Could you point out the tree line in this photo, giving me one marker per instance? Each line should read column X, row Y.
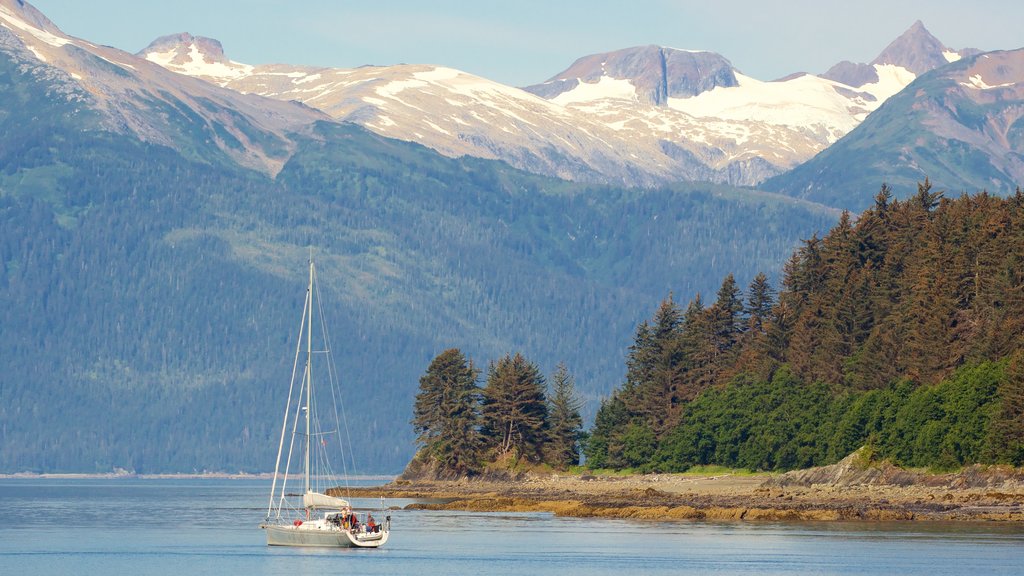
column 902, row 330
column 462, row 427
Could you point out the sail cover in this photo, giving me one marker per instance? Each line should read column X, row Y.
column 318, row 500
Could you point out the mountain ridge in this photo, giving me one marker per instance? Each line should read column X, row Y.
column 961, row 126
column 136, row 96
column 642, row 116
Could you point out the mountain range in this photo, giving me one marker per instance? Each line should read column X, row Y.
column 156, row 211
column 643, row 116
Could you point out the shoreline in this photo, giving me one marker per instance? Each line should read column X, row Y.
column 172, row 476
column 675, row 497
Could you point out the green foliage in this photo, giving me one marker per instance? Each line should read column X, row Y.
column 638, row 444
column 772, row 425
column 784, row 424
column 603, row 448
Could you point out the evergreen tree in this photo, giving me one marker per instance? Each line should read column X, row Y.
column 655, row 369
column 566, row 424
column 603, row 448
column 893, row 330
column 446, row 413
column 760, row 299
column 515, row 408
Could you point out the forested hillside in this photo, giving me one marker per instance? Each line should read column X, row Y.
column 148, row 301
column 903, row 331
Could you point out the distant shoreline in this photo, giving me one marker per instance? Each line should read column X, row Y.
column 174, row 476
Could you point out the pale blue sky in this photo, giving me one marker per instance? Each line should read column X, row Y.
column 523, row 42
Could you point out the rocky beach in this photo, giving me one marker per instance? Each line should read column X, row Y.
column 843, row 491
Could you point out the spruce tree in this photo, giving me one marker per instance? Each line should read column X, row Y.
column 760, row 299
column 604, row 445
column 655, row 368
column 515, row 408
column 566, row 424
column 446, row 413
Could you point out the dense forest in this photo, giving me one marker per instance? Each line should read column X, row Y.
column 148, row 300
column 902, row 331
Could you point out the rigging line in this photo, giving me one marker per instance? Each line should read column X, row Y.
column 295, row 427
column 336, row 397
column 324, row 468
column 287, row 409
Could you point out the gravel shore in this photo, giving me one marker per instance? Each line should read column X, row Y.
column 831, row 493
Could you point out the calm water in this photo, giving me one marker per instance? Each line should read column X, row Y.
column 104, row 527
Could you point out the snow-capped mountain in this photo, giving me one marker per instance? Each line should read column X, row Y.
column 637, row 116
column 960, row 126
column 132, row 95
column 916, row 51
column 701, row 103
column 445, row 109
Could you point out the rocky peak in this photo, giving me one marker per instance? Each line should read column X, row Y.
column 916, row 50
column 657, row 73
column 184, row 46
column 194, row 56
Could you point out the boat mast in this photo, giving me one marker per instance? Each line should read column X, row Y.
column 309, row 363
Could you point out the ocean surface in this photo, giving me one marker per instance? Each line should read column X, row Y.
column 210, row 526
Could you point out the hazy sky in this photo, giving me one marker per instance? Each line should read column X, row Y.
column 521, row 42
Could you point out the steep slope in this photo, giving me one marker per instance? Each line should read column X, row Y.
column 961, row 126
column 148, row 295
column 916, row 51
column 125, row 94
column 152, row 331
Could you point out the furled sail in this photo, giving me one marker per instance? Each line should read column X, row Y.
column 318, row 500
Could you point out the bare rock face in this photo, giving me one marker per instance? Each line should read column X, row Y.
column 854, row 470
column 852, row 74
column 658, row 73
column 915, row 50
column 858, row 469
column 181, row 45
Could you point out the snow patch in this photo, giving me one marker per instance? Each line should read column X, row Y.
column 978, row 83
column 436, row 127
column 39, row 55
column 11, row 19
column 803, row 101
column 196, row 65
column 304, row 79
column 891, row 79
column 606, row 87
column 950, row 56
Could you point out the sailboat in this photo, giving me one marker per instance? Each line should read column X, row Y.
column 314, row 517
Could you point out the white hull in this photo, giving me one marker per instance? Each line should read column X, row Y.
column 310, row 534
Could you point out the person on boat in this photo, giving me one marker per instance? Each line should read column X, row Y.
column 371, row 526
